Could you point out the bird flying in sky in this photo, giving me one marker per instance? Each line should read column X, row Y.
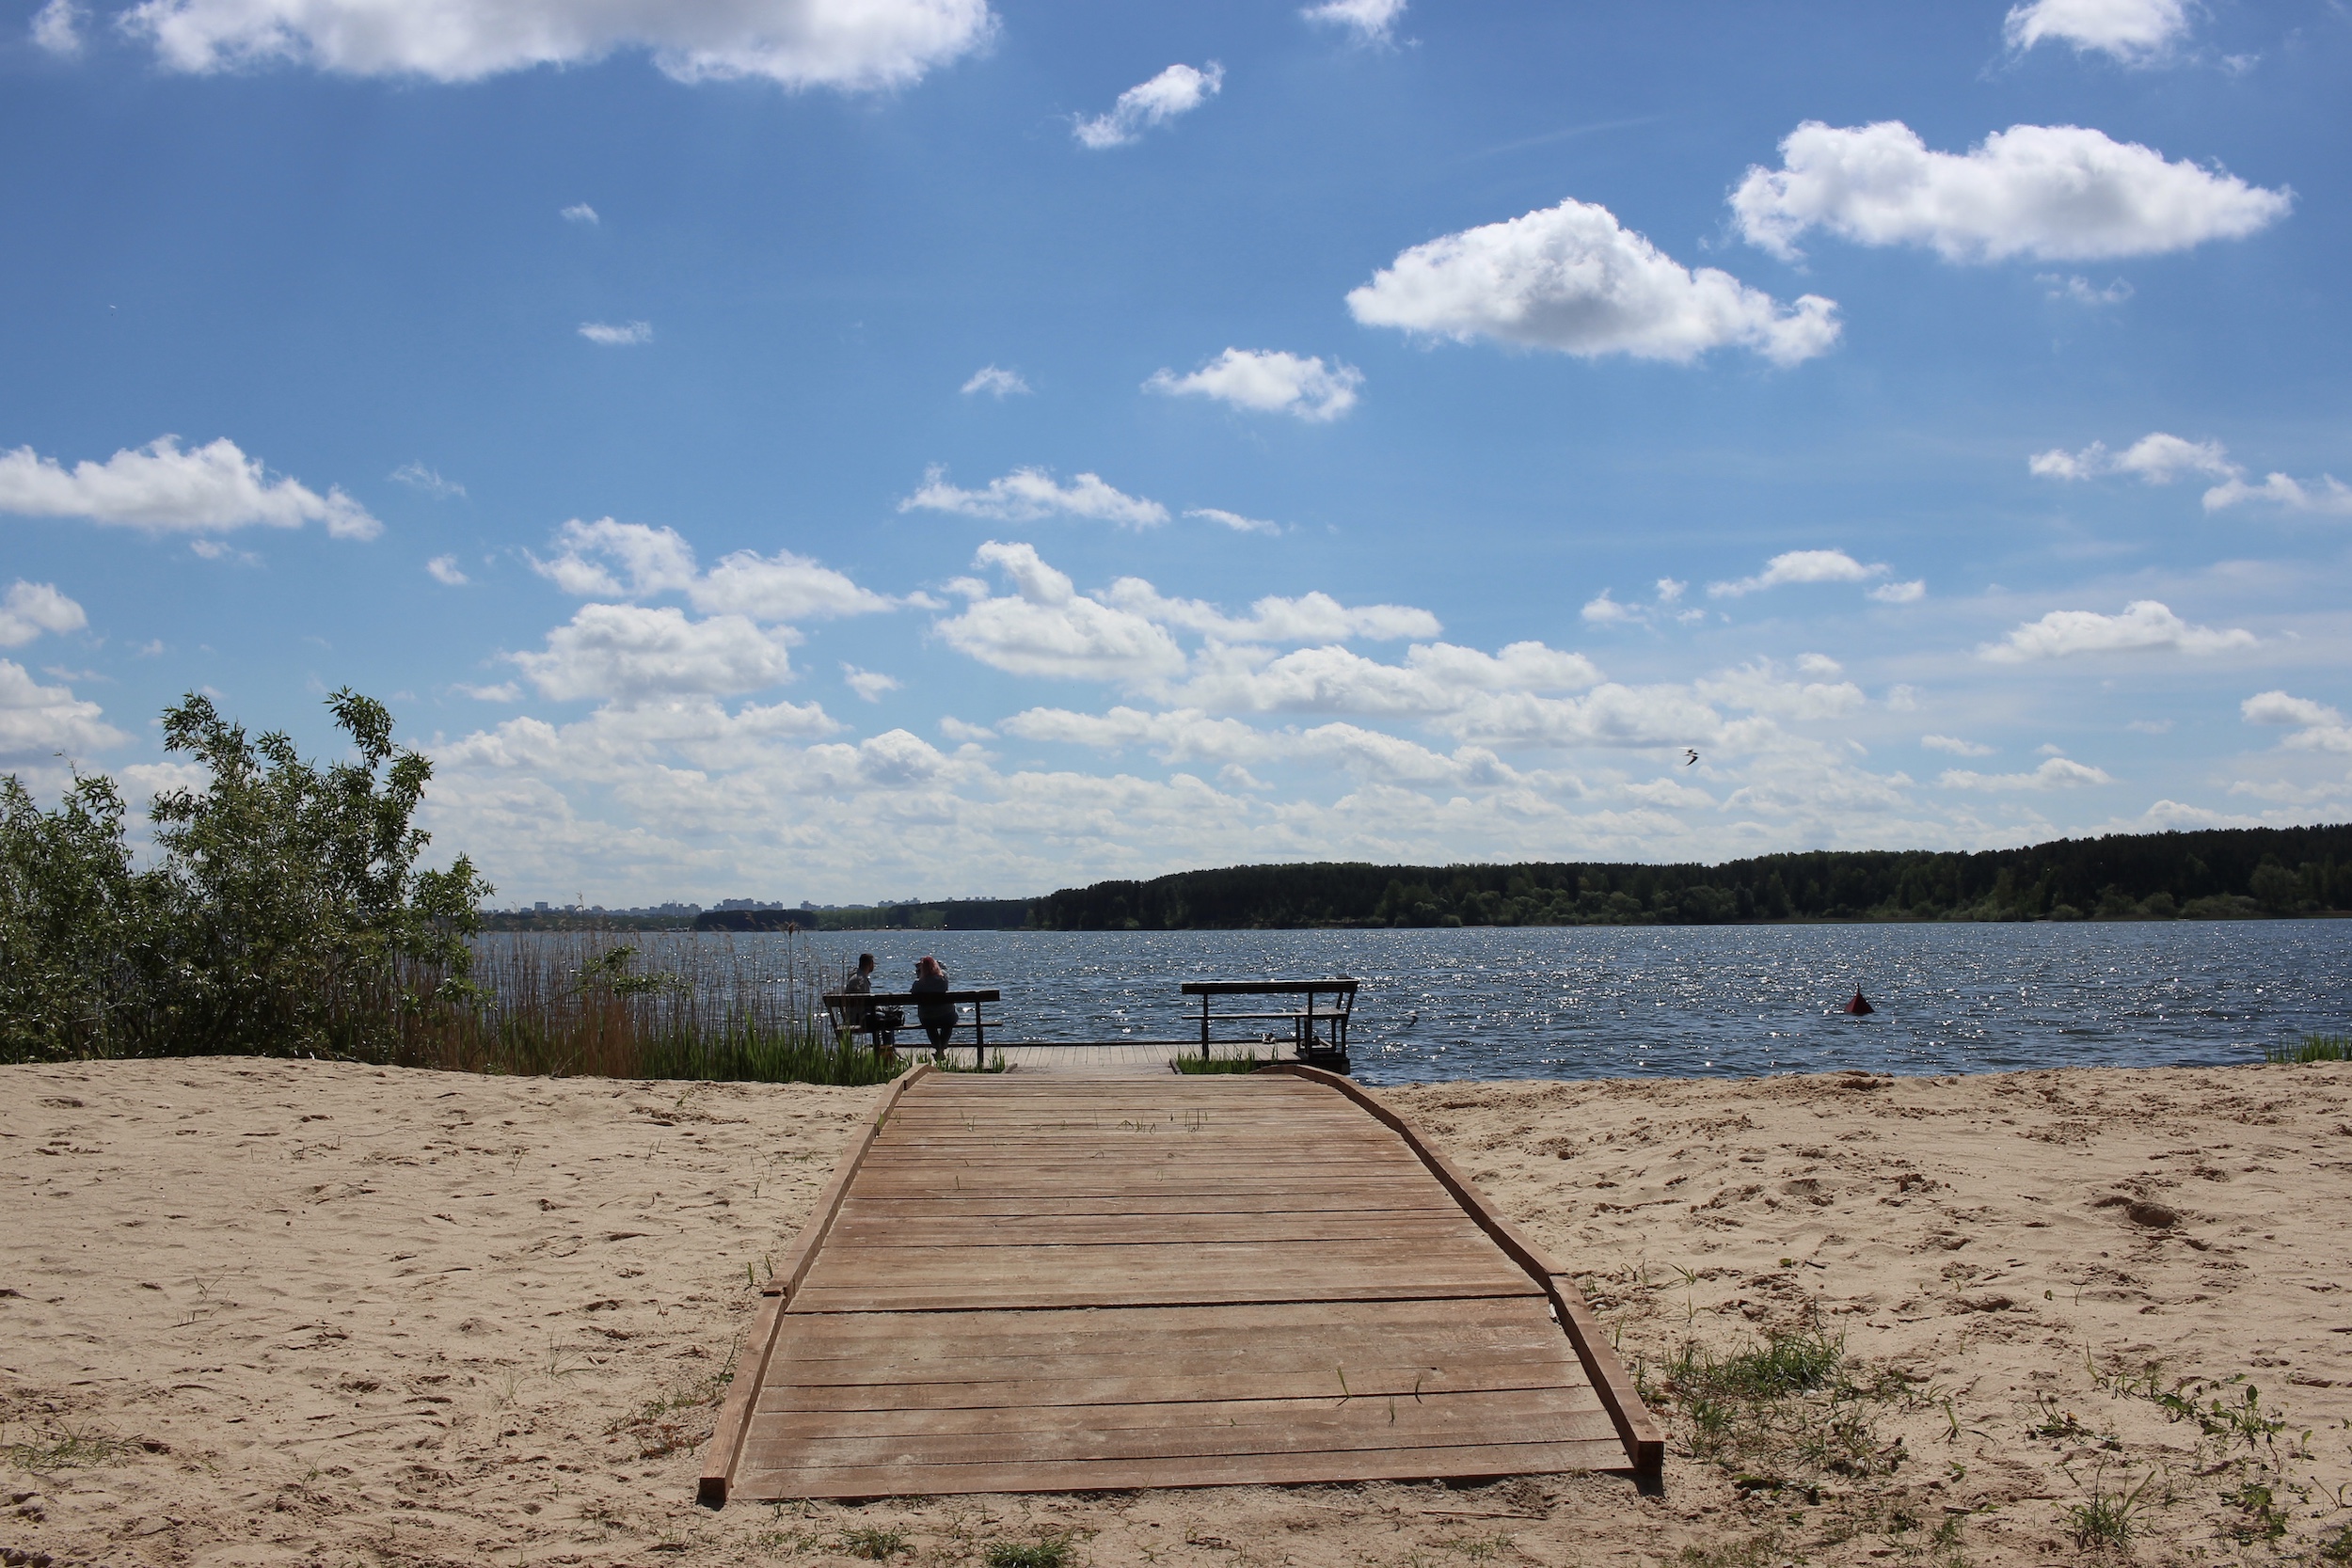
column 1689, row 756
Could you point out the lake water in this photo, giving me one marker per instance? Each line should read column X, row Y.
column 1684, row 1001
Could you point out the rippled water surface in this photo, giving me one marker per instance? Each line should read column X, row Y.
column 1587, row 1002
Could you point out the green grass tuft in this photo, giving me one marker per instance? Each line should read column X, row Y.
column 1219, row 1064
column 2315, row 1048
column 1793, row 1362
column 947, row 1061
column 875, row 1546
column 2103, row 1520
column 1051, row 1551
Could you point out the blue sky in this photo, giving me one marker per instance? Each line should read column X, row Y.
column 835, row 448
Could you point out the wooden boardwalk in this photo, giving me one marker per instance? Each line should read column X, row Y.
column 1071, row 1282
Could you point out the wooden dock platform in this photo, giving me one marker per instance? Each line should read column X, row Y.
column 1069, row 1282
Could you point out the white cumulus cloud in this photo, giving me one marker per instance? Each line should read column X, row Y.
column 1800, row 566
column 1371, row 21
column 1026, row 495
column 1314, row 617
column 419, row 477
column 38, row 722
column 30, row 608
column 2056, row 774
column 1435, row 679
column 1233, row 520
column 444, row 570
column 996, row 382
column 617, row 333
column 852, row 45
column 2053, row 192
column 57, row 28
column 1955, row 746
column 1044, row 626
column 1178, row 90
column 2317, row 726
column 2155, row 458
column 2145, row 625
column 631, row 653
column 2331, row 496
column 1571, row 277
column 579, row 212
column 1268, row 382
column 2159, row 458
column 616, row 559
column 2133, row 31
column 869, row 684
column 164, row 489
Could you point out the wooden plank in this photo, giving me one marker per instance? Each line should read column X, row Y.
column 1448, row 1257
column 727, row 1439
column 1224, row 1201
column 1247, row 1325
column 1466, row 1462
column 1171, row 1429
column 919, row 1297
column 1346, row 1225
column 1645, row 1439
column 1012, row 1382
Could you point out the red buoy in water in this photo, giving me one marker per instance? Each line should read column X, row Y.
column 1860, row 1006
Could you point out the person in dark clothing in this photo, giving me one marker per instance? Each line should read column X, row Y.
column 937, row 1017
column 881, row 1023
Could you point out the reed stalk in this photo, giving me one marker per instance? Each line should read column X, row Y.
column 660, row 1006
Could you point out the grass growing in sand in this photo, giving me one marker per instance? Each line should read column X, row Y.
column 1051, row 1551
column 1778, row 1410
column 62, row 1448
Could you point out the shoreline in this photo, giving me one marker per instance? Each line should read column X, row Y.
column 268, row 1312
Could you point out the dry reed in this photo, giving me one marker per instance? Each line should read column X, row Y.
column 660, row 1005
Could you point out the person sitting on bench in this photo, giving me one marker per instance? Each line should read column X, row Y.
column 938, row 1019
column 881, row 1022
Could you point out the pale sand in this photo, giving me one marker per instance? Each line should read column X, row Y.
column 311, row 1313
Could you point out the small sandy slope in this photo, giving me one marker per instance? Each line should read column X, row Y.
column 297, row 1313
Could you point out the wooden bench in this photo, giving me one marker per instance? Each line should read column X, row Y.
column 1323, row 1048
column 841, row 1006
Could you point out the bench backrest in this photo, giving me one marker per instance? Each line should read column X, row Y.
column 905, row 998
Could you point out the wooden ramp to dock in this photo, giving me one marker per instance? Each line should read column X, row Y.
column 1068, row 1283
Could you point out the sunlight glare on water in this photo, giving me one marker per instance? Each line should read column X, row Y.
column 1588, row 1002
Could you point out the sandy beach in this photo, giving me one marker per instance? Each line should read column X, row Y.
column 292, row 1312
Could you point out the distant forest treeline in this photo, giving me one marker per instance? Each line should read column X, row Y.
column 954, row 914
column 2227, row 874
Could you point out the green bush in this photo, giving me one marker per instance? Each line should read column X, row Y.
column 284, row 914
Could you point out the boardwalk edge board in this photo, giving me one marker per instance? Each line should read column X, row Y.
column 735, row 1416
column 1645, row 1440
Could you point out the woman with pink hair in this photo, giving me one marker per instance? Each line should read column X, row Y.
column 937, row 1017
